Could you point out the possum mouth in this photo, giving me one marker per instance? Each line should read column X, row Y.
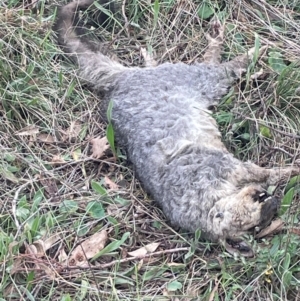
column 269, row 209
column 238, row 246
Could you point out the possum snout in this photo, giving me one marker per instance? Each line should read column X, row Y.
column 269, row 209
column 241, row 211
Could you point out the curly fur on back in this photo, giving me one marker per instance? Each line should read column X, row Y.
column 161, row 118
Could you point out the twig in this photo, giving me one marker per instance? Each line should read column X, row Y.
column 106, row 265
column 283, row 150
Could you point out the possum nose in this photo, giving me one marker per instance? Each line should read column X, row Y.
column 269, row 209
column 262, row 196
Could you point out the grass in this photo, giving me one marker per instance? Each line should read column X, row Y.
column 55, row 193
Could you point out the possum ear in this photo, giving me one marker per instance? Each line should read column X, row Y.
column 102, row 16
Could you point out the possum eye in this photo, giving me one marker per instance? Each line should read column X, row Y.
column 219, row 215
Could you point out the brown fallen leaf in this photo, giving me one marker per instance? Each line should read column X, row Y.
column 62, row 256
column 148, row 249
column 49, row 185
column 99, row 146
column 87, row 249
column 17, row 266
column 10, row 290
column 32, row 249
column 34, row 252
column 50, row 241
column 140, row 264
column 11, row 246
column 28, row 131
column 46, row 138
column 257, row 74
column 76, row 154
column 111, row 185
column 171, row 296
column 274, row 227
column 8, row 175
column 40, row 246
column 295, row 230
column 73, row 131
column 116, row 210
column 58, row 160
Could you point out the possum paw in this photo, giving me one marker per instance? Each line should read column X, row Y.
column 217, row 32
column 215, row 40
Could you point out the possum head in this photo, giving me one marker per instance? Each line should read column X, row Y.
column 238, row 214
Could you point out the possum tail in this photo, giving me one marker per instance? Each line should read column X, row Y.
column 97, row 69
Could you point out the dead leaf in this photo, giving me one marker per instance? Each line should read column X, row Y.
column 76, row 154
column 28, row 131
column 295, row 230
column 11, row 246
column 8, row 175
column 37, row 250
column 88, row 249
column 40, row 246
column 62, row 257
column 51, row 273
column 257, row 74
column 34, row 251
column 50, row 241
column 116, row 210
column 140, row 264
column 46, row 138
column 17, row 266
column 58, row 160
column 238, row 14
column 148, row 249
column 112, row 185
column 10, row 290
column 49, row 185
column 73, row 131
column 274, row 227
column 99, row 146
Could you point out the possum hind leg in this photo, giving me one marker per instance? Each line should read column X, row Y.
column 215, row 41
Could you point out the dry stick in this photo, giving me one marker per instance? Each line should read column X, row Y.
column 274, row 149
column 106, row 265
column 284, row 151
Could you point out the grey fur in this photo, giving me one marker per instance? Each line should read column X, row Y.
column 161, row 118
